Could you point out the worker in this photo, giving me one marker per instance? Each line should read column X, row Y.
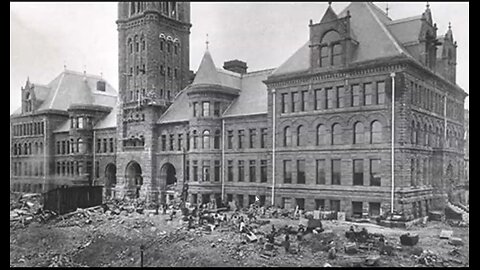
column 286, row 243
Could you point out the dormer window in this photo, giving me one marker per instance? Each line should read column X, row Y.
column 101, row 86
column 331, row 49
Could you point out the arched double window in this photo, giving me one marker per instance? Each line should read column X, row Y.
column 376, row 132
column 413, row 133
column 287, row 137
column 425, row 135
column 331, row 50
column 358, row 133
column 80, row 146
column 130, row 45
column 336, row 134
column 206, row 139
column 321, row 135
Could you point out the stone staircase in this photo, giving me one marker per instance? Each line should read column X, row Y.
column 465, row 215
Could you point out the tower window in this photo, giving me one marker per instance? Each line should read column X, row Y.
column 176, row 49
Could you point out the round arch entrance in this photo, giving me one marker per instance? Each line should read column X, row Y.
column 110, row 178
column 168, row 174
column 133, row 176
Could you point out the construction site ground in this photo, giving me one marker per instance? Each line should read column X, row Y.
column 115, row 240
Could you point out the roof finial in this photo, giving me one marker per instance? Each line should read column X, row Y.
column 84, row 69
column 428, row 5
column 386, row 9
column 64, row 65
column 206, row 42
column 329, row 3
column 449, row 26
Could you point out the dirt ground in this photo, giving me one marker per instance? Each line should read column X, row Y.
column 116, row 240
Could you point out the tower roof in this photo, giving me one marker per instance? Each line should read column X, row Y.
column 207, row 72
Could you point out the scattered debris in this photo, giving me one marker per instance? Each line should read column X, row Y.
column 409, row 240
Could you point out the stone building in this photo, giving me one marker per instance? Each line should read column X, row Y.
column 315, row 132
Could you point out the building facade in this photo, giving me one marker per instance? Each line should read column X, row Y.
column 316, row 132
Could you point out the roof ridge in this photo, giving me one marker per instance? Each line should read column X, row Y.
column 56, row 90
column 258, row 71
column 407, row 19
column 385, row 30
column 74, row 72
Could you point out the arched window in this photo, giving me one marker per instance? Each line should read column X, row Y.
column 216, row 139
column 417, row 134
column 29, row 148
column 331, row 51
column 132, row 8
column 336, row 134
column 287, row 137
column 36, row 149
column 376, row 132
column 130, row 45
column 300, row 136
column 321, row 135
column 358, row 133
column 135, row 40
column 19, row 150
column 25, row 150
column 80, row 147
column 40, row 145
column 142, row 41
column 194, row 139
column 206, row 139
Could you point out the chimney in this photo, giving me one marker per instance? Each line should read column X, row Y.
column 235, row 66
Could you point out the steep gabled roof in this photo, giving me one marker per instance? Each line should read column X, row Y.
column 72, row 87
column 207, row 72
column 180, row 110
column 368, row 25
column 406, row 30
column 253, row 95
column 329, row 15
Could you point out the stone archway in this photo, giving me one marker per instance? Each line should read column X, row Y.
column 133, row 177
column 168, row 175
column 110, row 178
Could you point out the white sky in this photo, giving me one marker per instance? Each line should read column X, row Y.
column 45, row 36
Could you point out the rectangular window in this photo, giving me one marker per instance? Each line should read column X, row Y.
column 304, row 100
column 300, row 171
column 320, row 172
column 195, row 171
column 241, row 136
column 194, row 109
column 287, row 171
column 175, row 71
column 381, row 92
column 319, row 204
column 318, row 99
column 105, row 145
column 230, row 171
column 253, row 136
column 357, row 172
column 335, row 205
column 164, row 142
column 97, row 169
column 216, row 172
column 251, row 199
column 336, row 175
column 367, row 88
column 230, row 139
column 357, row 209
column 172, row 140
column 187, row 170
column 206, row 108
column 63, row 147
column 241, row 171
column 263, row 171
column 240, row 200
column 206, row 171
column 300, row 202
column 356, row 95
column 341, row 96
column 331, row 98
column 252, row 171
column 375, row 179
column 374, row 209
column 180, row 141
column 216, row 109
column 111, row 145
column 263, row 139
column 284, row 102
column 294, row 101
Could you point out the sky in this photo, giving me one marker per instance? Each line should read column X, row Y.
column 45, row 37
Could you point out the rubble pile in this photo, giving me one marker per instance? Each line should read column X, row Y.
column 26, row 208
